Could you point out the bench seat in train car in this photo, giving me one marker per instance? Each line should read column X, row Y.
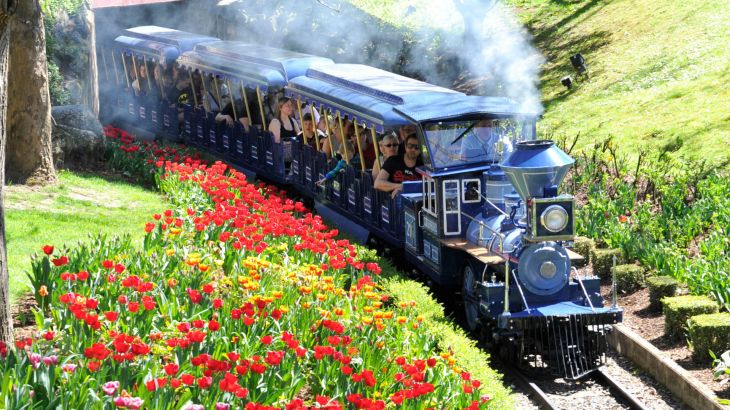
column 246, row 66
column 149, row 45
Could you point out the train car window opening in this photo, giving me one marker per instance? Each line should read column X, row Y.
column 429, row 196
column 471, row 188
column 451, row 206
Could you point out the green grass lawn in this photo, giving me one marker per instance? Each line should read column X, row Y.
column 79, row 205
column 658, row 72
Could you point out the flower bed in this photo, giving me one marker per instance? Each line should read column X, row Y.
column 672, row 215
column 238, row 298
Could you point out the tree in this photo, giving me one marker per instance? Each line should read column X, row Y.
column 29, row 155
column 92, row 82
column 6, row 323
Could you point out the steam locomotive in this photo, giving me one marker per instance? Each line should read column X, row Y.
column 487, row 216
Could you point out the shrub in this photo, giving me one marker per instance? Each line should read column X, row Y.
column 629, row 277
column 678, row 309
column 603, row 261
column 659, row 288
column 584, row 247
column 709, row 332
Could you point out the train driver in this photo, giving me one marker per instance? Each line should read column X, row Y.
column 400, row 168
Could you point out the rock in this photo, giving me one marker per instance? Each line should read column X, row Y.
column 78, row 137
column 76, row 116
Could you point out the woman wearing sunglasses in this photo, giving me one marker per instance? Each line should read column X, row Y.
column 400, row 168
column 388, row 147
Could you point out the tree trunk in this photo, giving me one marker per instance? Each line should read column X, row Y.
column 92, row 81
column 29, row 157
column 6, row 321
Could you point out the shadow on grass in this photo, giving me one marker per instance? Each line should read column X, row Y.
column 105, row 172
column 592, row 7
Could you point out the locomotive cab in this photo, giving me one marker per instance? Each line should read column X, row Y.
column 439, row 211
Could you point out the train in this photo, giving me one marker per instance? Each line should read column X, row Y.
column 485, row 218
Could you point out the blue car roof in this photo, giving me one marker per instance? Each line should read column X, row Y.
column 252, row 64
column 386, row 100
column 461, row 107
column 364, row 93
column 160, row 44
column 251, row 75
column 290, row 63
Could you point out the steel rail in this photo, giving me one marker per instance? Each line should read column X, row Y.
column 531, row 388
column 622, row 394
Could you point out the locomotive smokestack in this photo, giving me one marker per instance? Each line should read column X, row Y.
column 536, row 168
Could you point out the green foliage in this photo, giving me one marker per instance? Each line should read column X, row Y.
column 603, row 261
column 584, row 247
column 59, row 95
column 672, row 216
column 66, row 47
column 678, row 309
column 721, row 366
column 659, row 288
column 629, row 277
column 709, row 332
column 451, row 338
column 53, row 7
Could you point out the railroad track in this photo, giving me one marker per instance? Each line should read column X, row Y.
column 542, row 398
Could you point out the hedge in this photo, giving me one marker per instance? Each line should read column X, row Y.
column 678, row 309
column 709, row 332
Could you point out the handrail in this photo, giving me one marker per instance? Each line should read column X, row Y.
column 524, row 300
column 482, row 224
column 490, row 203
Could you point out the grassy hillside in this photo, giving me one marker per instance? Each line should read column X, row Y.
column 659, row 71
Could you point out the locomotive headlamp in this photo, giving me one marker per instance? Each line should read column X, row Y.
column 554, row 218
column 550, row 219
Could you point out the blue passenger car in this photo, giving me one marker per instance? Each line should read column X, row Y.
column 139, row 54
column 249, row 73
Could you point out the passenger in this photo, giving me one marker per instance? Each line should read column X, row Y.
column 388, row 147
column 180, row 93
column 400, row 168
column 308, row 132
column 307, row 109
column 139, row 85
column 210, row 98
column 332, row 145
column 283, row 126
column 403, row 132
column 346, row 151
column 368, row 150
column 226, row 114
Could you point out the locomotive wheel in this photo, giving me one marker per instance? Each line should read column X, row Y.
column 470, row 296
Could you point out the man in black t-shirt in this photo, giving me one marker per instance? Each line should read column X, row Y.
column 400, row 168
